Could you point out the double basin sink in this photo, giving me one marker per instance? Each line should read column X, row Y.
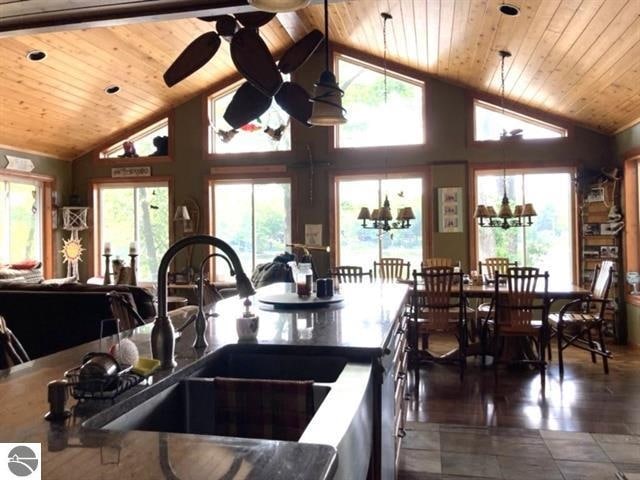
column 342, row 399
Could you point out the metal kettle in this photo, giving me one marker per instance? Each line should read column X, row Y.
column 99, row 372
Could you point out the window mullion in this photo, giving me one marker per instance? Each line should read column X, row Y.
column 253, row 225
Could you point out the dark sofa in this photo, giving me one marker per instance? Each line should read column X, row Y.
column 50, row 318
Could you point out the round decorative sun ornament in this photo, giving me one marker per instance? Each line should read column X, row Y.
column 72, row 250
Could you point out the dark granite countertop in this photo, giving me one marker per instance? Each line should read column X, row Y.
column 359, row 328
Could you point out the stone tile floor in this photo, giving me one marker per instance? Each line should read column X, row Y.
column 443, row 451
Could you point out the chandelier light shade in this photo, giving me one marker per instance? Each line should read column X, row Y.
column 327, row 99
column 278, row 5
column 382, row 219
column 505, row 218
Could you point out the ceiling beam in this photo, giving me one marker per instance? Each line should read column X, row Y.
column 38, row 16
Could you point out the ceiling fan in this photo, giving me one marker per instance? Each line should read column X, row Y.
column 255, row 63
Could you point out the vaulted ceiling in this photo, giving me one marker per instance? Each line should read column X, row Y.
column 579, row 59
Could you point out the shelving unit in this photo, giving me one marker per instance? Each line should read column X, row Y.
column 598, row 245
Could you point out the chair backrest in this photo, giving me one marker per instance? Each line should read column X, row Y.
column 437, row 262
column 518, row 297
column 124, row 309
column 602, row 280
column 351, row 274
column 491, row 265
column 11, row 351
column 391, row 269
column 436, row 292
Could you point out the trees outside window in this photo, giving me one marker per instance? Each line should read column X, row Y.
column 548, row 243
column 21, row 220
column 135, row 213
column 254, row 217
column 359, row 246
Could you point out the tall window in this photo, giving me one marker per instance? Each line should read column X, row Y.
column 361, row 247
column 271, row 132
column 21, row 220
column 135, row 213
column 490, row 121
column 371, row 122
column 254, row 217
column 547, row 244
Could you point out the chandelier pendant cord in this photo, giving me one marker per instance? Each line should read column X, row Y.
column 504, row 153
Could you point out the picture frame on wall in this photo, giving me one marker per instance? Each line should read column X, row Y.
column 596, row 194
column 450, row 210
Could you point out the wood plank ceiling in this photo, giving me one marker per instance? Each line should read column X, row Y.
column 575, row 58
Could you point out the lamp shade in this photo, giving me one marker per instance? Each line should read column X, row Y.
column 518, row 211
column 364, row 214
column 385, row 214
column 375, row 215
column 528, row 210
column 278, row 5
column 327, row 102
column 491, row 212
column 182, row 214
column 481, row 211
column 407, row 214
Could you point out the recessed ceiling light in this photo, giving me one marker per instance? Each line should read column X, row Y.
column 36, row 55
column 509, row 9
column 112, row 89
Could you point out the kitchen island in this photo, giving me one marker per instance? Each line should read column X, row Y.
column 366, row 327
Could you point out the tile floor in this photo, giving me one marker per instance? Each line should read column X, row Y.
column 442, row 451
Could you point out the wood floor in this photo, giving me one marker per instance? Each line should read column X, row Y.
column 586, row 400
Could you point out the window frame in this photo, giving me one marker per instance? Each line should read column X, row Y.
column 395, row 71
column 476, row 170
column 240, row 175
column 48, row 209
column 370, row 174
column 96, row 243
column 206, row 118
column 129, row 132
column 631, row 210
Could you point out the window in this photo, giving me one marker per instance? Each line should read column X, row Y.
column 149, row 142
column 548, row 243
column 21, row 220
column 359, row 246
column 134, row 213
column 490, row 121
column 254, row 217
column 371, row 122
column 251, row 137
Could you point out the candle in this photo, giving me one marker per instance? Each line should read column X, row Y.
column 107, row 248
column 132, row 248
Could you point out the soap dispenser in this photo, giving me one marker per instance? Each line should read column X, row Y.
column 247, row 324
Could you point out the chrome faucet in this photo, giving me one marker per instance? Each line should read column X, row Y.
column 163, row 341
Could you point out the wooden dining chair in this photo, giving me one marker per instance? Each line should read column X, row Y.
column 391, row 269
column 11, row 351
column 577, row 321
column 521, row 309
column 123, row 309
column 436, row 305
column 436, row 262
column 351, row 274
column 491, row 265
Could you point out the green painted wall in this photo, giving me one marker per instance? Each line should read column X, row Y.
column 446, row 155
column 61, row 171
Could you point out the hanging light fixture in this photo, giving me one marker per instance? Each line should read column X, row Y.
column 505, row 218
column 381, row 217
column 276, row 6
column 327, row 100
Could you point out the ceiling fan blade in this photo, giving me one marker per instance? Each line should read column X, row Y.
column 295, row 101
column 254, row 19
column 226, row 26
column 253, row 60
column 213, row 18
column 247, row 104
column 197, row 53
column 300, row 51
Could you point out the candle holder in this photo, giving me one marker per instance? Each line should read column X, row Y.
column 107, row 272
column 133, row 268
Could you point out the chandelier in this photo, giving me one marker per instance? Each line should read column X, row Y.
column 381, row 217
column 505, row 218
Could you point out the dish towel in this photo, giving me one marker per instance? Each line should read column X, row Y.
column 270, row 409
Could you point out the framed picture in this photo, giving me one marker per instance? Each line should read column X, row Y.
column 450, row 210
column 591, row 229
column 607, row 251
column 596, row 194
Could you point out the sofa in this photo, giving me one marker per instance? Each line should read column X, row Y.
column 47, row 318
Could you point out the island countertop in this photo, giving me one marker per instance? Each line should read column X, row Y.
column 358, row 327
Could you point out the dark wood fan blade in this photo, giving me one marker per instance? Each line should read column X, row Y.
column 226, row 26
column 197, row 53
column 300, row 51
column 254, row 19
column 295, row 101
column 213, row 18
column 247, row 103
column 253, row 60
